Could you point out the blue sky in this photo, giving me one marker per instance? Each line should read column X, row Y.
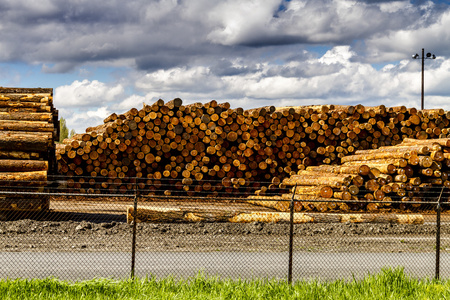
column 109, row 56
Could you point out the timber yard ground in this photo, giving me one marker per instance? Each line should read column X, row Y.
column 101, row 226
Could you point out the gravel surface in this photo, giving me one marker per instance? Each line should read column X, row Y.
column 116, row 235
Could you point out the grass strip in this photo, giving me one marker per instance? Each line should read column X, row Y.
column 388, row 284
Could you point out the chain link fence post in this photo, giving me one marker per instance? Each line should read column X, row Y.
column 291, row 235
column 133, row 243
column 438, row 235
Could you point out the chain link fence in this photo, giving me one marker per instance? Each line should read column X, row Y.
column 82, row 231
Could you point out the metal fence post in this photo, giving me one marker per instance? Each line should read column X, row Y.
column 291, row 235
column 133, row 243
column 438, row 236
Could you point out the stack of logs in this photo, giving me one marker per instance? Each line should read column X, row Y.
column 28, row 130
column 410, row 172
column 212, row 150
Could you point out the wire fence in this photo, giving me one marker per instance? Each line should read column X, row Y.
column 80, row 229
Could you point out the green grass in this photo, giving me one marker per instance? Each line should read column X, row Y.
column 388, row 284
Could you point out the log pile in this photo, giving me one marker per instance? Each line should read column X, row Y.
column 212, row 150
column 28, row 131
column 410, row 172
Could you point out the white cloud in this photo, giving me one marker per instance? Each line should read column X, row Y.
column 197, row 78
column 86, row 103
column 130, row 102
column 80, row 121
column 396, row 44
column 394, row 6
column 319, row 21
column 87, row 93
column 339, row 54
column 168, row 33
column 101, row 112
column 250, row 53
column 348, row 82
column 236, row 20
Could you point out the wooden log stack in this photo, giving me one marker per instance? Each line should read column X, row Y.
column 168, row 148
column 28, row 130
column 211, row 149
column 411, row 173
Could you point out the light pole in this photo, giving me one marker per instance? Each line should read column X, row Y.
column 428, row 56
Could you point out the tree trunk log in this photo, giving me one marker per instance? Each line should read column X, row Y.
column 9, row 165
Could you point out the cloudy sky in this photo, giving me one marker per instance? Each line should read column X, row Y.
column 109, row 56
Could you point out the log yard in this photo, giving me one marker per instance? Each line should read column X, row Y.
column 325, row 159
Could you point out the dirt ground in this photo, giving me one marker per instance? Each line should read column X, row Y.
column 108, row 231
column 79, row 225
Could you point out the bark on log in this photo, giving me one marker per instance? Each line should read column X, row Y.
column 23, row 178
column 18, row 155
column 209, row 149
column 23, row 116
column 28, row 128
column 18, row 141
column 9, row 165
column 33, row 126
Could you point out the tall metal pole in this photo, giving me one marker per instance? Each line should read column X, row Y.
column 423, row 78
column 133, row 241
column 428, row 56
column 291, row 235
column 438, row 236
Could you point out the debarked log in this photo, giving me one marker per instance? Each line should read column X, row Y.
column 341, row 169
column 323, row 191
column 299, row 218
column 383, row 218
column 160, row 214
column 397, row 162
column 332, row 180
column 274, row 202
column 443, row 142
column 376, row 156
column 24, row 203
column 174, row 214
column 417, row 149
